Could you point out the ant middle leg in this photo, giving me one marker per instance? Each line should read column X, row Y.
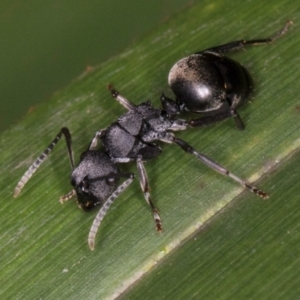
column 144, row 182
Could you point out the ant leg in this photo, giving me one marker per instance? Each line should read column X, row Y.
column 209, row 120
column 237, row 119
column 103, row 210
column 169, row 105
column 144, row 182
column 67, row 197
column 215, row 166
column 237, row 45
column 122, row 100
column 97, row 137
column 65, row 131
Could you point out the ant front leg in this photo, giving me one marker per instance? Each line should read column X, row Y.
column 103, row 210
column 213, row 165
column 67, row 197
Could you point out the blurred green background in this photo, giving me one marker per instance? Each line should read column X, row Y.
column 46, row 44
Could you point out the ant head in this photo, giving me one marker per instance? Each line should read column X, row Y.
column 94, row 179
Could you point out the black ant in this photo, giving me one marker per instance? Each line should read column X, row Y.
column 132, row 137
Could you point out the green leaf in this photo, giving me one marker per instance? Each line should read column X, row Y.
column 54, row 41
column 247, row 251
column 250, row 248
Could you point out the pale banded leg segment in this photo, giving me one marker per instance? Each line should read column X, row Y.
column 94, row 142
column 65, row 131
column 144, row 182
column 122, row 100
column 67, row 197
column 103, row 210
column 215, row 166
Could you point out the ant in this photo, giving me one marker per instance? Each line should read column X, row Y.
column 132, row 137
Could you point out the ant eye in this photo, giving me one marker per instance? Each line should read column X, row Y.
column 84, row 185
column 164, row 113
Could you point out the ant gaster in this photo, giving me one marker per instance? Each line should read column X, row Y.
column 211, row 84
column 132, row 138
